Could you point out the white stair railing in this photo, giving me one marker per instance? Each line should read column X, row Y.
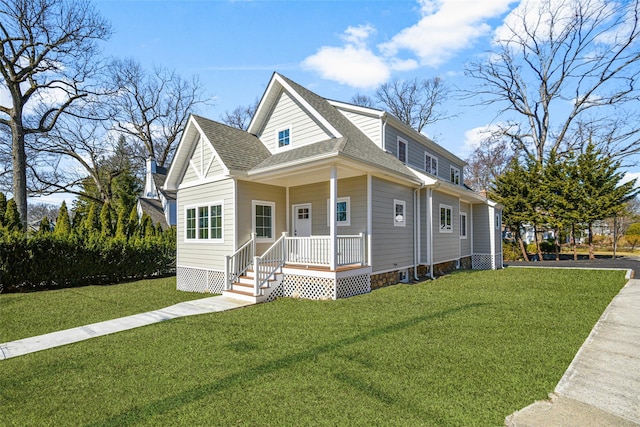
column 238, row 263
column 266, row 265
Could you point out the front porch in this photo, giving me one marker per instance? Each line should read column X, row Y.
column 300, row 267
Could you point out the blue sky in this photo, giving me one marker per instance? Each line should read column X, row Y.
column 335, row 48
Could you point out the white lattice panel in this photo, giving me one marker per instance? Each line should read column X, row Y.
column 276, row 293
column 306, row 287
column 353, row 285
column 199, row 280
column 483, row 262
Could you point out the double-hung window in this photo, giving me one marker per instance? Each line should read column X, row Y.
column 455, row 175
column 445, row 219
column 343, row 211
column 284, row 137
column 431, row 164
column 399, row 213
column 264, row 219
column 203, row 223
column 402, row 150
column 463, row 225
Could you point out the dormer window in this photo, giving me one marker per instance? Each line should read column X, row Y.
column 431, row 164
column 455, row 175
column 284, row 137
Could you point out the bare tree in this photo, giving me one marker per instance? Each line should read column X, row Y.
column 241, row 116
column 557, row 66
column 363, row 100
column 47, row 51
column 154, row 107
column 487, row 161
column 415, row 102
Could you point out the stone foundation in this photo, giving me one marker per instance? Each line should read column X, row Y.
column 444, row 268
column 466, row 263
column 393, row 277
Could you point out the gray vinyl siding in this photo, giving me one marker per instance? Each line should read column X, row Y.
column 190, row 175
column 446, row 246
column 203, row 254
column 249, row 191
column 214, row 169
column 465, row 244
column 318, row 194
column 391, row 246
column 498, row 232
column 370, row 126
column 288, row 113
column 416, row 151
column 481, row 230
column 199, row 160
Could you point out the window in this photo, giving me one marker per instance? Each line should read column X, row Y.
column 498, row 224
column 343, row 211
column 284, row 137
column 399, row 213
column 402, row 150
column 445, row 219
column 191, row 223
column 204, row 223
column 431, row 164
column 463, row 225
column 455, row 175
column 264, row 220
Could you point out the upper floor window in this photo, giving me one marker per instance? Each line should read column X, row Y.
column 431, row 164
column 284, row 137
column 455, row 175
column 402, row 150
column 204, row 222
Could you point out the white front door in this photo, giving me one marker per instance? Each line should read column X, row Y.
column 302, row 220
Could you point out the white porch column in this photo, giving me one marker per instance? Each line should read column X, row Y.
column 333, row 229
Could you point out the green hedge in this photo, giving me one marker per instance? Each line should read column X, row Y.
column 45, row 261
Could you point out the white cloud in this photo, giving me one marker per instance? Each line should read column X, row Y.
column 473, row 137
column 446, row 27
column 628, row 176
column 353, row 64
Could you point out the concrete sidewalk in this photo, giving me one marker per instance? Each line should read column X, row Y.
column 81, row 333
column 601, row 387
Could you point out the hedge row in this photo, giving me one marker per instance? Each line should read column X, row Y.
column 46, row 261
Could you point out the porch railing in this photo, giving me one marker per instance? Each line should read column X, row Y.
column 316, row 250
column 266, row 265
column 238, row 263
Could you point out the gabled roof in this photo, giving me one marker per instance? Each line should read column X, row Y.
column 153, row 208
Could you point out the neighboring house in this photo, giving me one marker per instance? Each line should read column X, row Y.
column 158, row 203
column 321, row 199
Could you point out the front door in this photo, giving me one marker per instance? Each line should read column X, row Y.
column 302, row 220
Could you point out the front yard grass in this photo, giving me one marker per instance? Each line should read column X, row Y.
column 467, row 349
column 24, row 315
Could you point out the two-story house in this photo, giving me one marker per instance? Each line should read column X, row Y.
column 321, row 199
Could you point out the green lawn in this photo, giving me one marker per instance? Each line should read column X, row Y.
column 467, row 349
column 29, row 314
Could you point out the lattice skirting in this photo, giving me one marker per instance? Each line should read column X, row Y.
column 353, row 285
column 199, row 280
column 487, row 261
column 298, row 286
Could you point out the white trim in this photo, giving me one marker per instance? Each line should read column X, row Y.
column 459, row 174
column 392, row 269
column 445, row 230
column 277, row 131
column 431, row 156
column 294, row 217
column 209, row 180
column 197, row 238
column 402, row 222
column 369, row 217
column 255, row 203
column 452, row 259
column 466, row 226
column 340, row 223
column 406, row 150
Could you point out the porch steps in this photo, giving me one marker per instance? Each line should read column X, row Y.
column 242, row 289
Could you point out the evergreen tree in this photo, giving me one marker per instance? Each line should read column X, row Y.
column 45, row 226
column 3, row 207
column 63, row 223
column 146, row 226
column 106, row 225
column 133, row 223
column 597, row 181
column 121, row 224
column 91, row 223
column 12, row 217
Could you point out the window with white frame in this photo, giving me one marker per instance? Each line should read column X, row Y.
column 402, row 150
column 399, row 213
column 431, row 164
column 264, row 219
column 463, row 225
column 204, row 222
column 343, row 211
column 455, row 175
column 284, row 137
column 498, row 224
column 445, row 219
